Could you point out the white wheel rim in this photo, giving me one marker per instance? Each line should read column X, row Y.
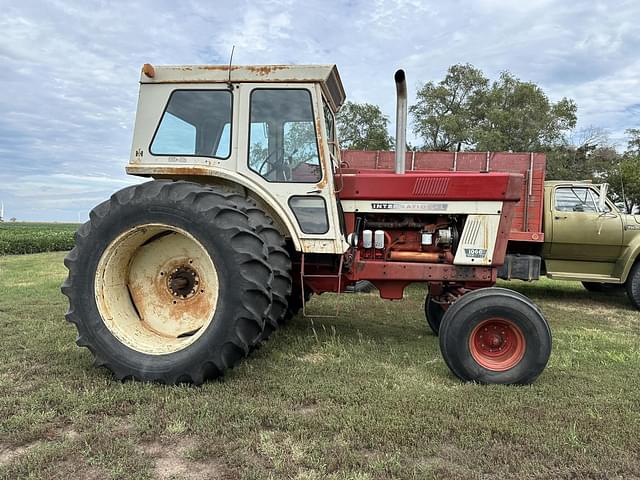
column 156, row 289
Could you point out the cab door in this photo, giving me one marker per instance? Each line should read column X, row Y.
column 279, row 149
column 580, row 231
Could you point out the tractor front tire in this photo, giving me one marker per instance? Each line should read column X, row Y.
column 168, row 282
column 433, row 312
column 633, row 285
column 495, row 336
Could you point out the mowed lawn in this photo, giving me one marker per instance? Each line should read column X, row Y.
column 362, row 396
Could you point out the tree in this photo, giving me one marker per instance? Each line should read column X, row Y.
column 363, row 126
column 585, row 155
column 518, row 116
column 623, row 175
column 445, row 113
column 13, row 219
column 633, row 144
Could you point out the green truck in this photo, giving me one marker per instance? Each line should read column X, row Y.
column 587, row 238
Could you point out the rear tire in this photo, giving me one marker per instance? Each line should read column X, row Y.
column 496, row 336
column 633, row 285
column 433, row 312
column 168, row 282
column 278, row 258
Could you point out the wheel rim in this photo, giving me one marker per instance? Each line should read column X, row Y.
column 497, row 344
column 156, row 288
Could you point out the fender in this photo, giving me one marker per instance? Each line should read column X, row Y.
column 629, row 257
column 207, row 174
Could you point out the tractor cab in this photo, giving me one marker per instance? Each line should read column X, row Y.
column 267, row 129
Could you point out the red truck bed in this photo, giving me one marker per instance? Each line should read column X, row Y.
column 527, row 221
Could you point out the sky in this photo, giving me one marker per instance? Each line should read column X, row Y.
column 69, row 69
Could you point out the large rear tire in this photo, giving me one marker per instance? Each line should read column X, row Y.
column 633, row 285
column 278, row 258
column 494, row 335
column 168, row 282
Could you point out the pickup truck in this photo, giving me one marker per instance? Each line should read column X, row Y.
column 565, row 230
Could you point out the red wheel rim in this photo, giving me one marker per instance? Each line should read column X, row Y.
column 497, row 344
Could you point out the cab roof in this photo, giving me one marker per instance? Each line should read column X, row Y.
column 326, row 75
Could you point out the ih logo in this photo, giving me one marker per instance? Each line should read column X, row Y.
column 475, row 252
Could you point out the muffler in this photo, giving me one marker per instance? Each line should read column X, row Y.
column 401, row 121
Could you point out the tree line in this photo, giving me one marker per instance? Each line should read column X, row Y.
column 465, row 111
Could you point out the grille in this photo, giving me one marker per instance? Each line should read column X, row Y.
column 431, row 186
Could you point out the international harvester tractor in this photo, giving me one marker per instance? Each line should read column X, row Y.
column 250, row 211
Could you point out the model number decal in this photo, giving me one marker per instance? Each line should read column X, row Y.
column 475, row 252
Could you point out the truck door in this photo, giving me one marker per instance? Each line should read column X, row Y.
column 580, row 231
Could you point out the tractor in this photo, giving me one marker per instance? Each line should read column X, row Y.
column 250, row 211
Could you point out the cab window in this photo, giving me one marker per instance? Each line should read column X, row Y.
column 282, row 136
column 577, row 199
column 195, row 123
column 330, row 128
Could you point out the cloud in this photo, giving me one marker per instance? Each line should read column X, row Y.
column 70, row 69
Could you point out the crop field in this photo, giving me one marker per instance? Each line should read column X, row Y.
column 365, row 395
column 19, row 237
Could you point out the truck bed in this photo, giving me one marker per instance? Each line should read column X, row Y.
column 527, row 221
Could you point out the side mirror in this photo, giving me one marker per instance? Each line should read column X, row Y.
column 602, row 203
column 578, row 208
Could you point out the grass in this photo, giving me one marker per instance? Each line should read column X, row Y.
column 22, row 237
column 362, row 396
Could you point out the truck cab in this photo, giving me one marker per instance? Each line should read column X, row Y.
column 587, row 238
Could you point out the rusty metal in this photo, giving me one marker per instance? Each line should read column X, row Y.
column 148, row 70
column 426, row 257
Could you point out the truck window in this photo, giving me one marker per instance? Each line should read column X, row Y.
column 575, row 199
column 195, row 123
column 282, row 136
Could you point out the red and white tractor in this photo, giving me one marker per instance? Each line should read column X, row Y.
column 251, row 210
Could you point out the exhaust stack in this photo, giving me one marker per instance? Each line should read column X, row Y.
column 401, row 120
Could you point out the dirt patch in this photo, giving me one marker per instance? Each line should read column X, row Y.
column 8, row 452
column 171, row 462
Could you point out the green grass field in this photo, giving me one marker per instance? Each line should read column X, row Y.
column 24, row 237
column 362, row 396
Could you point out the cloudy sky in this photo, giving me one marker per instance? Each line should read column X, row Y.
column 69, row 69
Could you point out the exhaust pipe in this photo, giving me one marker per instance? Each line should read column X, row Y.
column 401, row 120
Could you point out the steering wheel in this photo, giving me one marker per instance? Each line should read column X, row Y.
column 264, row 162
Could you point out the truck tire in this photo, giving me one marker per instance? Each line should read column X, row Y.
column 433, row 312
column 633, row 285
column 278, row 258
column 497, row 336
column 168, row 282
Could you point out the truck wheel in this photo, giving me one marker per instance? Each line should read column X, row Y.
column 433, row 312
column 633, row 285
column 168, row 282
column 278, row 258
column 495, row 335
